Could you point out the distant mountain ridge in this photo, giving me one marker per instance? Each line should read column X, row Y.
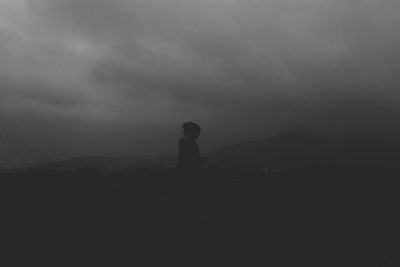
column 284, row 150
column 311, row 150
column 109, row 163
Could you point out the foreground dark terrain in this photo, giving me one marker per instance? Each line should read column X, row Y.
column 320, row 201
column 337, row 217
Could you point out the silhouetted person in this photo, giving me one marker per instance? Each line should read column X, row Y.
column 189, row 165
column 189, row 160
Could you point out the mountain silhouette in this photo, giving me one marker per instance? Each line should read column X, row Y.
column 284, row 150
column 109, row 163
column 304, row 150
column 89, row 162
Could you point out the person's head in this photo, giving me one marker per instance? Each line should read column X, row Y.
column 191, row 130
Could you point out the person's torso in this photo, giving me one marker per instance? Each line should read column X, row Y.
column 189, row 155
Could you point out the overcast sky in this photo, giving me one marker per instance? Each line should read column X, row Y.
column 118, row 77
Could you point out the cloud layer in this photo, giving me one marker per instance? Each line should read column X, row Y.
column 120, row 76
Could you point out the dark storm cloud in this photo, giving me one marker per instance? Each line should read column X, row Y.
column 243, row 69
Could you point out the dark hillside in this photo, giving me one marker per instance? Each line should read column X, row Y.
column 304, row 150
